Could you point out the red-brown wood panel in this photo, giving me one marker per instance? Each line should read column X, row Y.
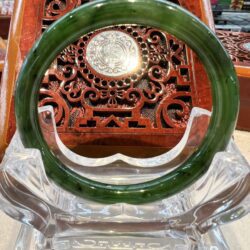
column 238, row 47
column 148, row 108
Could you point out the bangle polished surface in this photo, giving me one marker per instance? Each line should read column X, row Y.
column 161, row 15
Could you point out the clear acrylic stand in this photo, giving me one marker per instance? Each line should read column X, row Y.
column 55, row 219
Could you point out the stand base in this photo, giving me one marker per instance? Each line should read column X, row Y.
column 55, row 219
column 30, row 239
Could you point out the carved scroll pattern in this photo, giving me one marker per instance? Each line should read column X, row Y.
column 235, row 43
column 54, row 9
column 158, row 96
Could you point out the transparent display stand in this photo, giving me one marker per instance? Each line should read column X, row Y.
column 55, row 219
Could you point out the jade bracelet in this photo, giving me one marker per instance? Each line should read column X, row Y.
column 161, row 15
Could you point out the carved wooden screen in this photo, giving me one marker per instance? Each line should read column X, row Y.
column 149, row 106
column 237, row 45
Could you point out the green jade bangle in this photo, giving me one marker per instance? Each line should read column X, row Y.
column 159, row 14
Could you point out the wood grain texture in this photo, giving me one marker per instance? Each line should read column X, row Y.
column 11, row 69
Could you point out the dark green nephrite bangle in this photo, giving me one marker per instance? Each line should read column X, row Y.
column 159, row 14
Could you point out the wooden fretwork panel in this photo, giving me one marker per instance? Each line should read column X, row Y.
column 150, row 107
column 237, row 45
column 156, row 99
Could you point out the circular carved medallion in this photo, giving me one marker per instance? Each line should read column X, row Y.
column 246, row 46
column 113, row 53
